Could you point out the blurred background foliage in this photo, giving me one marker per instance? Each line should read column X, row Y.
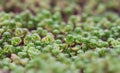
column 78, row 6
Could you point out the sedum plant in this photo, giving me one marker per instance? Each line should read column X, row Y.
column 59, row 36
column 16, row 41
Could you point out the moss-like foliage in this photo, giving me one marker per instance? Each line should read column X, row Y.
column 59, row 36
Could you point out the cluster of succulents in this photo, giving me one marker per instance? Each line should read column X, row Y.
column 60, row 36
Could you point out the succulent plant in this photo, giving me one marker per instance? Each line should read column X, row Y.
column 16, row 41
column 59, row 36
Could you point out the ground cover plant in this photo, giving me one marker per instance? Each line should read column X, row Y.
column 59, row 36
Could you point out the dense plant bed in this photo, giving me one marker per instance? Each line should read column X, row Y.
column 60, row 36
